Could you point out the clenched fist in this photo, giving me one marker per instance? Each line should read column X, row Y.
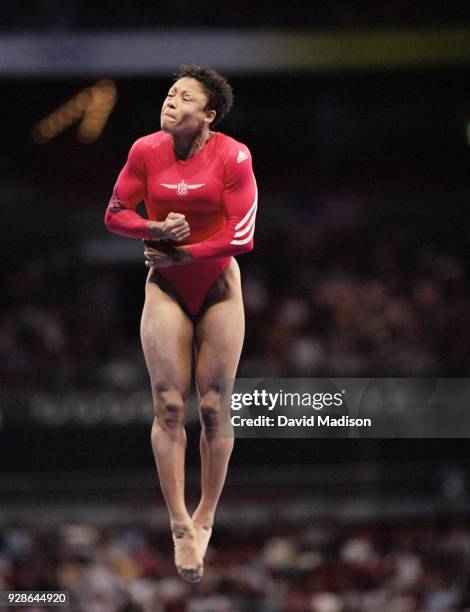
column 175, row 227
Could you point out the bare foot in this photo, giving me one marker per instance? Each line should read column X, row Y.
column 203, row 535
column 188, row 559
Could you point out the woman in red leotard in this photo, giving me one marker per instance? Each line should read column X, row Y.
column 201, row 197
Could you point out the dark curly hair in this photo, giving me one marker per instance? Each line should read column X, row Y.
column 216, row 87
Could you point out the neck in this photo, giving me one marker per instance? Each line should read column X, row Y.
column 186, row 146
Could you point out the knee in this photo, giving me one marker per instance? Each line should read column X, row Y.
column 210, row 411
column 170, row 409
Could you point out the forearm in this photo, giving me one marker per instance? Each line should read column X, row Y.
column 130, row 224
column 163, row 254
column 130, row 188
column 168, row 254
column 240, row 202
column 180, row 255
column 217, row 247
column 127, row 223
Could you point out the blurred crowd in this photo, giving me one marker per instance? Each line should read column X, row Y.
column 311, row 567
column 337, row 293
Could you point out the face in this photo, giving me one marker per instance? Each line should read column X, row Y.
column 183, row 109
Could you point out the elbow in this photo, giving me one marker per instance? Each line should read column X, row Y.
column 249, row 246
column 108, row 221
column 246, row 248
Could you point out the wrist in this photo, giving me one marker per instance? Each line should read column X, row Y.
column 184, row 255
column 155, row 230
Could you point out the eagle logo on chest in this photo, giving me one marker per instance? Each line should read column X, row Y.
column 182, row 187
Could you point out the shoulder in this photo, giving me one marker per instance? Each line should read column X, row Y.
column 149, row 141
column 230, row 146
column 233, row 152
column 143, row 149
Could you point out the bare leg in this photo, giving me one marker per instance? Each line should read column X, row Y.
column 167, row 335
column 219, row 339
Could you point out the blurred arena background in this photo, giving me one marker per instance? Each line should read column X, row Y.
column 358, row 118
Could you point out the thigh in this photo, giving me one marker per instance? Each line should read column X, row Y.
column 219, row 331
column 167, row 339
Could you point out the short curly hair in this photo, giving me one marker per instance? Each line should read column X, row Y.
column 216, row 87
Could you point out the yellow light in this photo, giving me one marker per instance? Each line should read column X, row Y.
column 99, row 113
column 74, row 108
column 94, row 104
column 107, row 89
column 93, row 116
column 83, row 99
column 47, row 132
column 91, row 124
column 106, row 83
column 43, row 126
column 54, row 123
column 90, row 129
column 44, row 132
column 66, row 115
column 87, row 137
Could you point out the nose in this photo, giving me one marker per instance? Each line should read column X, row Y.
column 170, row 103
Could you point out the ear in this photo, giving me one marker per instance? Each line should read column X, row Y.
column 210, row 115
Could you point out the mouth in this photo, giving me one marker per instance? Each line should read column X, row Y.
column 165, row 114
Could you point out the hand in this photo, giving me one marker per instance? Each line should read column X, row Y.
column 166, row 256
column 175, row 227
column 158, row 258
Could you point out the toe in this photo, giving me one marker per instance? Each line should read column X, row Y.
column 190, row 575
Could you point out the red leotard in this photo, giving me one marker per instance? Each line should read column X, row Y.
column 216, row 191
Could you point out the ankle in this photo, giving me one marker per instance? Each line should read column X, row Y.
column 180, row 520
column 204, row 519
